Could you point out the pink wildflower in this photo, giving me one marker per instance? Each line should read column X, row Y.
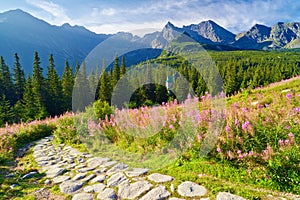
column 227, row 128
column 219, row 150
column 289, row 95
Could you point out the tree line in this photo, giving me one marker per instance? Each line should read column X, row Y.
column 26, row 98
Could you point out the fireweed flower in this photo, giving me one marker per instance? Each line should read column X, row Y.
column 244, row 109
column 199, row 138
column 291, row 135
column 236, row 122
column 245, row 125
column 235, row 105
column 171, row 127
column 289, row 95
column 227, row 128
column 296, row 110
column 281, row 142
column 219, row 150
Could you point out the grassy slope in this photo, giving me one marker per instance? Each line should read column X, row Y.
column 219, row 177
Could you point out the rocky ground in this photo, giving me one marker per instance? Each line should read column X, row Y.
column 85, row 177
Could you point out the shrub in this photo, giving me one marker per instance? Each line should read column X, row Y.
column 66, row 132
column 102, row 108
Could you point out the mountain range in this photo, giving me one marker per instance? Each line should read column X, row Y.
column 22, row 33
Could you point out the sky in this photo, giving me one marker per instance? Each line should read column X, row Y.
column 143, row 16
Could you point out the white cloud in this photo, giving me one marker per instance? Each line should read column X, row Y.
column 108, row 11
column 56, row 14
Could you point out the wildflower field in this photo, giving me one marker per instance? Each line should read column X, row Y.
column 255, row 153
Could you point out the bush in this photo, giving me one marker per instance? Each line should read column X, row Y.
column 66, row 132
column 102, row 108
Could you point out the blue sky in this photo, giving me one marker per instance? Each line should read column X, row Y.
column 140, row 16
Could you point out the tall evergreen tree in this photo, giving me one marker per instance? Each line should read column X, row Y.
column 8, row 85
column 116, row 72
column 54, row 90
column 67, row 87
column 38, row 83
column 123, row 67
column 6, row 113
column 19, row 78
column 30, row 108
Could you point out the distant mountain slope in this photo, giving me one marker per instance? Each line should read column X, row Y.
column 22, row 33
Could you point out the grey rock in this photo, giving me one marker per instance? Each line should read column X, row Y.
column 29, row 175
column 117, row 168
column 88, row 178
column 100, row 171
column 228, row 196
column 69, row 187
column 134, row 190
column 83, row 196
column 160, row 178
column 99, row 178
column 47, row 182
column 13, row 186
column 53, row 172
column 159, row 192
column 97, row 161
column 80, row 166
column 85, row 169
column 79, row 176
column 99, row 187
column 60, row 179
column 109, row 164
column 107, row 194
column 81, row 160
column 117, row 179
column 190, row 189
column 75, row 152
column 137, row 172
column 175, row 198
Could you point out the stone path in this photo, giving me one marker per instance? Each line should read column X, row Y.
column 85, row 177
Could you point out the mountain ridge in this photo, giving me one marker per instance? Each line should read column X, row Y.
column 22, row 33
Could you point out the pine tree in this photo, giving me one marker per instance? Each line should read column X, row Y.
column 39, row 85
column 81, row 95
column 92, row 83
column 6, row 114
column 30, row 108
column 8, row 85
column 116, row 72
column 19, row 78
column 123, row 67
column 67, row 87
column 105, row 88
column 54, row 90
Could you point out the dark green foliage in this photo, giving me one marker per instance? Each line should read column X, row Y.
column 54, row 90
column 19, row 78
column 67, row 87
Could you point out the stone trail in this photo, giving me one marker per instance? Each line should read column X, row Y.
column 85, row 177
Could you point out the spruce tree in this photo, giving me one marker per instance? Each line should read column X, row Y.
column 30, row 108
column 54, row 90
column 8, row 85
column 123, row 67
column 19, row 78
column 116, row 72
column 6, row 113
column 39, row 84
column 67, row 87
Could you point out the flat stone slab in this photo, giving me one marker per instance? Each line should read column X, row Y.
column 85, row 169
column 191, row 189
column 117, row 168
column 228, row 196
column 134, row 190
column 83, row 196
column 88, row 178
column 99, row 179
column 109, row 164
column 160, row 178
column 69, row 187
column 79, row 176
column 97, row 161
column 99, row 187
column 136, row 172
column 117, row 179
column 159, row 192
column 60, row 179
column 53, row 172
column 107, row 194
